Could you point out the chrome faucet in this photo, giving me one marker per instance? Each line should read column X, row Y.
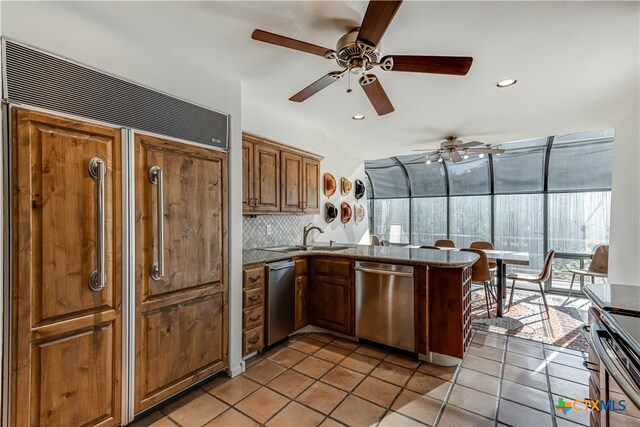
column 309, row 227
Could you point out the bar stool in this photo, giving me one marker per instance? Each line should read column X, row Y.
column 539, row 279
column 481, row 274
column 599, row 266
column 445, row 243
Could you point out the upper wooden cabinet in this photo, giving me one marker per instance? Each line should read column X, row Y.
column 278, row 179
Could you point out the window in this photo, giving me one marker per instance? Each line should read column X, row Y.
column 578, row 221
column 581, row 161
column 426, row 180
column 470, row 218
column 391, row 220
column 521, row 168
column 428, row 220
column 387, row 178
column 469, row 177
column 519, row 226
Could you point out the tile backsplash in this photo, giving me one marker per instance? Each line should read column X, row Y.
column 286, row 230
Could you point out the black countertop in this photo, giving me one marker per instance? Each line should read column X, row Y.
column 622, row 299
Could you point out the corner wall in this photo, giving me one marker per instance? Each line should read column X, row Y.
column 624, row 240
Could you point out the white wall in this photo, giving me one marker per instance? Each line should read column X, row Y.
column 624, row 251
column 308, row 136
column 61, row 29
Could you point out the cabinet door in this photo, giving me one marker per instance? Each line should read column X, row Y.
column 331, row 299
column 181, row 327
column 302, row 288
column 266, row 178
column 311, row 201
column 291, row 182
column 66, row 337
column 247, row 176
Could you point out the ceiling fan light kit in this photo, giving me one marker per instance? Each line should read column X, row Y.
column 357, row 52
column 458, row 151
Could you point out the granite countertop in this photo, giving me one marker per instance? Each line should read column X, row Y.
column 624, row 299
column 394, row 254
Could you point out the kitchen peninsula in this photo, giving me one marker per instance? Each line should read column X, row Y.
column 326, row 295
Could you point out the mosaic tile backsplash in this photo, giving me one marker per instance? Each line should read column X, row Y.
column 286, row 230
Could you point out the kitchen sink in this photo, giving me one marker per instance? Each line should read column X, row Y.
column 306, row 248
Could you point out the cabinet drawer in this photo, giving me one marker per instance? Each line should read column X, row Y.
column 253, row 317
column 253, row 297
column 333, row 267
column 253, row 339
column 253, row 277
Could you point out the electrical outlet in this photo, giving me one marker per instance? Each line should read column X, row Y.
column 269, row 230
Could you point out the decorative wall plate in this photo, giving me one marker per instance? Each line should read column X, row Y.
column 359, row 214
column 346, row 185
column 330, row 212
column 345, row 209
column 360, row 189
column 329, row 184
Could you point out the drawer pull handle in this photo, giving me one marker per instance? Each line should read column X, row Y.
column 254, row 340
column 586, row 365
column 254, row 318
column 255, row 278
column 586, row 328
column 254, row 298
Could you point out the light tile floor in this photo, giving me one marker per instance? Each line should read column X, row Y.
column 316, row 379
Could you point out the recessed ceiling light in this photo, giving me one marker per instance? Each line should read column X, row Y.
column 506, row 83
column 358, row 117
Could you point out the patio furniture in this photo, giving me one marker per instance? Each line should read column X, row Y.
column 599, row 266
column 539, row 279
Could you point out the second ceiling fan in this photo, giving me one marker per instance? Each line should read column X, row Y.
column 357, row 52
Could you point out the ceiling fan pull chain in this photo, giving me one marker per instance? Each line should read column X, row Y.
column 349, row 79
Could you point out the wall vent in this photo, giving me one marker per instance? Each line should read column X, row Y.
column 46, row 81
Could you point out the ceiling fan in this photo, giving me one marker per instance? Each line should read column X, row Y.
column 357, row 52
column 458, row 150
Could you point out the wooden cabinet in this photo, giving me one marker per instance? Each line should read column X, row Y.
column 302, row 293
column 66, row 337
column 311, row 177
column 278, row 179
column 332, row 294
column 247, row 176
column 253, row 312
column 181, row 316
column 266, row 178
column 291, row 182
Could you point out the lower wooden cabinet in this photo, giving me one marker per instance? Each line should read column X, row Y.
column 253, row 312
column 302, row 293
column 332, row 294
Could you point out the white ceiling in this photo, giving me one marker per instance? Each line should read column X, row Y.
column 577, row 64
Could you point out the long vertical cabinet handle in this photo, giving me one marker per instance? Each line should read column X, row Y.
column 155, row 176
column 98, row 278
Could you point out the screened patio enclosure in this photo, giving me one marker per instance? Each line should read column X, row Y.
column 541, row 194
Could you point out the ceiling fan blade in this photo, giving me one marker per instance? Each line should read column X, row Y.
column 376, row 21
column 454, row 65
column 486, row 150
column 316, row 86
column 426, row 151
column 267, row 37
column 471, row 144
column 455, row 156
column 376, row 94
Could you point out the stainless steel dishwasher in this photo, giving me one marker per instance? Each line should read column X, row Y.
column 384, row 304
column 281, row 295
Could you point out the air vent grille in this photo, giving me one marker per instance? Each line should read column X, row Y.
column 46, row 81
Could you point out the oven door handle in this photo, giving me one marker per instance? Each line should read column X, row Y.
column 612, row 367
